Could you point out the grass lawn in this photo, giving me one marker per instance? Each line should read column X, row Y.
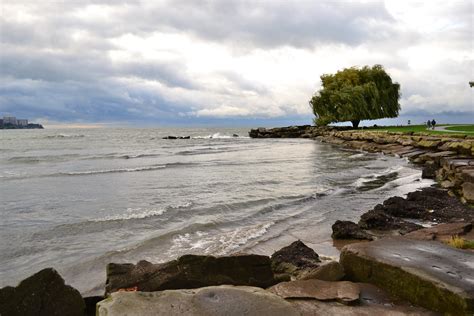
column 461, row 129
column 469, row 128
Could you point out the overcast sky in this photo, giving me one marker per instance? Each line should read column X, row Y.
column 226, row 62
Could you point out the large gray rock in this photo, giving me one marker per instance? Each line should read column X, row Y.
column 320, row 308
column 343, row 291
column 468, row 191
column 330, row 271
column 43, row 293
column 348, row 230
column 378, row 219
column 427, row 273
column 191, row 271
column 441, row 232
column 214, row 300
column 295, row 259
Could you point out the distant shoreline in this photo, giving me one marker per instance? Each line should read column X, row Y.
column 29, row 126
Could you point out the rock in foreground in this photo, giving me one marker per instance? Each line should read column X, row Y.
column 426, row 273
column 215, row 300
column 344, row 292
column 348, row 230
column 43, row 293
column 191, row 271
column 295, row 258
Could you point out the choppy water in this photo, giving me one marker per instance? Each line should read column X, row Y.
column 78, row 199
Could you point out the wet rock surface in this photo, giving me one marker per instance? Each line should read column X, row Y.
column 330, row 271
column 319, row 308
column 348, row 230
column 441, row 232
column 191, row 271
column 295, row 259
column 378, row 219
column 429, row 204
column 343, row 291
column 42, row 294
column 215, row 300
column 396, row 215
column 426, row 273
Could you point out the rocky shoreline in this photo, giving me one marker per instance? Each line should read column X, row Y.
column 395, row 262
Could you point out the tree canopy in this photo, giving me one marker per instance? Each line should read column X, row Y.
column 355, row 94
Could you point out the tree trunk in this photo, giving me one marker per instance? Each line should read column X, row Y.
column 355, row 123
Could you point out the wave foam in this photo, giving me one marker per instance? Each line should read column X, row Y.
column 92, row 172
column 65, row 136
column 133, row 213
column 218, row 136
column 217, row 243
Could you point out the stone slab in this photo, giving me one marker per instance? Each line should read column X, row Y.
column 343, row 291
column 319, row 308
column 426, row 273
column 191, row 271
column 43, row 293
column 441, row 232
column 213, row 300
column 414, row 154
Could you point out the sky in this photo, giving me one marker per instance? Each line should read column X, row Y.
column 229, row 62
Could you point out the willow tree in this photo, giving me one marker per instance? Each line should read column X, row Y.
column 355, row 94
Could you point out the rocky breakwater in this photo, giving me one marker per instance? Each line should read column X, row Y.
column 447, row 158
column 293, row 281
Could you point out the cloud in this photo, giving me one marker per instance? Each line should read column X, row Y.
column 184, row 61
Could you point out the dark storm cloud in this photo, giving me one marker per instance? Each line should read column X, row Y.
column 270, row 24
column 87, row 66
column 56, row 56
column 98, row 101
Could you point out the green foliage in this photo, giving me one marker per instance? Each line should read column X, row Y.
column 355, row 94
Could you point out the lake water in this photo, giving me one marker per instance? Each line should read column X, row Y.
column 77, row 199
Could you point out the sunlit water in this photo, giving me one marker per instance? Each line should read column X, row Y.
column 79, row 199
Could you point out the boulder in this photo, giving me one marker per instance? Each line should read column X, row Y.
column 344, row 291
column 468, row 191
column 43, row 293
column 377, row 219
column 191, row 271
column 426, row 273
column 294, row 259
column 468, row 174
column 429, row 171
column 315, row 308
column 429, row 144
column 331, row 271
column 430, row 204
column 348, row 230
column 441, row 232
column 214, row 300
column 91, row 304
column 414, row 154
column 462, row 147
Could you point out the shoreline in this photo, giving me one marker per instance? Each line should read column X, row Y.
column 297, row 268
column 448, row 159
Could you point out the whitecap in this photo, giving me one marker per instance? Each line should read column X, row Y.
column 133, row 213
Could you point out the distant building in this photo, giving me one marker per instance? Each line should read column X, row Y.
column 10, row 120
column 22, row 123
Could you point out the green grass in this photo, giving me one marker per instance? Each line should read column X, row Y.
column 466, row 129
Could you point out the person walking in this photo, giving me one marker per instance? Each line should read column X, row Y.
column 433, row 123
column 428, row 124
